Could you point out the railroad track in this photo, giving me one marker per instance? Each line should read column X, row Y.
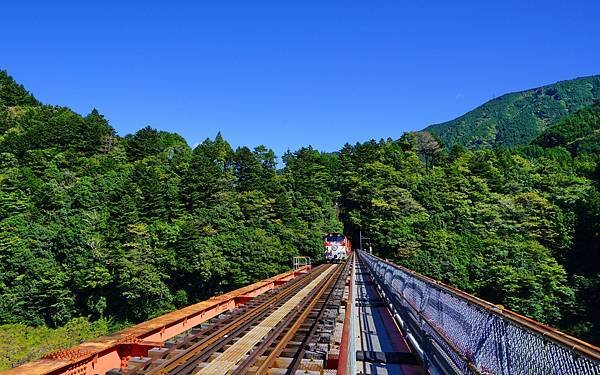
column 275, row 330
column 305, row 341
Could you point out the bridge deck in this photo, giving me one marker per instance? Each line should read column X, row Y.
column 226, row 361
column 325, row 322
column 105, row 353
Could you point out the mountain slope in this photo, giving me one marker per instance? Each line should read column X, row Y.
column 579, row 132
column 519, row 117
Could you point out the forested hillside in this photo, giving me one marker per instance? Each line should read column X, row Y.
column 517, row 118
column 123, row 229
column 579, row 132
column 118, row 229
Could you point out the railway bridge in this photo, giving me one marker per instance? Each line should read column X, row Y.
column 365, row 316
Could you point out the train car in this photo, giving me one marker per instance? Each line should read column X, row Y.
column 337, row 247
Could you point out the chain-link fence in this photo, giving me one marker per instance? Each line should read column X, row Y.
column 476, row 336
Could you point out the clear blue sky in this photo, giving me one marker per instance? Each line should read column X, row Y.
column 292, row 73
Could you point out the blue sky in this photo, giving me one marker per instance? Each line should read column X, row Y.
column 292, row 73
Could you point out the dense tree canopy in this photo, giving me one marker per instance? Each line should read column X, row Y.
column 120, row 229
column 578, row 133
column 148, row 225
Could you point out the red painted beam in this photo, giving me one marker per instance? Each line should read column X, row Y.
column 344, row 344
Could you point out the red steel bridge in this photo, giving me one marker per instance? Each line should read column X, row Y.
column 365, row 316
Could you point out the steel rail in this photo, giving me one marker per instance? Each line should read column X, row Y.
column 272, row 337
column 297, row 360
column 190, row 366
column 283, row 342
column 191, row 354
column 314, row 298
column 208, row 331
column 202, row 353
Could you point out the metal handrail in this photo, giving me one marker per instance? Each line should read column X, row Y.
column 351, row 367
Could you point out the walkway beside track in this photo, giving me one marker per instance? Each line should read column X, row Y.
column 380, row 345
column 236, row 352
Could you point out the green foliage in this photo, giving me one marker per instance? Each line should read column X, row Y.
column 48, row 127
column 518, row 118
column 149, row 142
column 132, row 230
column 12, row 94
column 578, row 132
column 20, row 343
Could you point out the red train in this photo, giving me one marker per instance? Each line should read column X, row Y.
column 337, row 247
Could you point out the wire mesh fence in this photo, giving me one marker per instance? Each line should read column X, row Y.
column 475, row 337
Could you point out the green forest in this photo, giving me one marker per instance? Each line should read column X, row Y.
column 98, row 231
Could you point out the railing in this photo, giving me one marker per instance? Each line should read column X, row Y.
column 300, row 262
column 351, row 365
column 461, row 333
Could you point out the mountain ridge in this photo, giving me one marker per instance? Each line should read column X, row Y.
column 517, row 118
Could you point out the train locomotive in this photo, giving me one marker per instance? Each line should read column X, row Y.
column 337, row 247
